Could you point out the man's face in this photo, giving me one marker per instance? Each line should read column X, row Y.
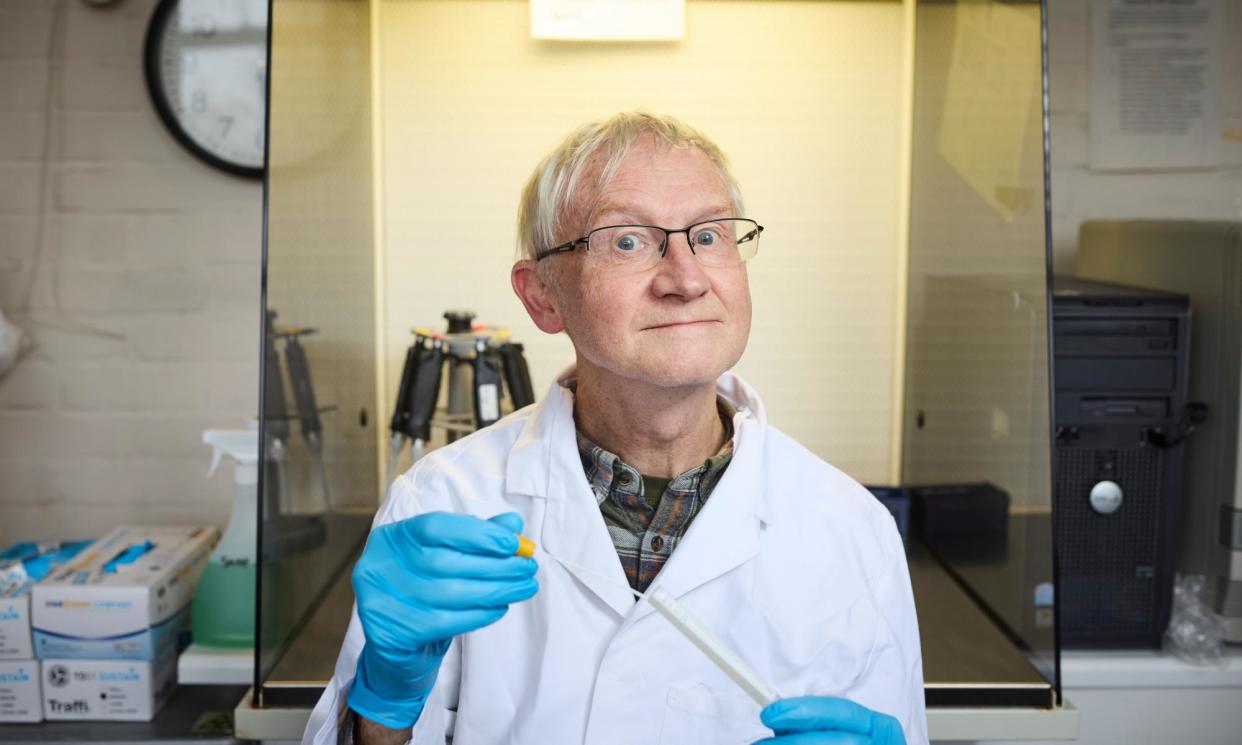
column 677, row 324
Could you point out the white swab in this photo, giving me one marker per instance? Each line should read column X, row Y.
column 735, row 667
column 690, row 627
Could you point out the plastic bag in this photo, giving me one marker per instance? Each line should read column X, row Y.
column 1195, row 633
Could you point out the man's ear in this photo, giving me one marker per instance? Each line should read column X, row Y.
column 537, row 296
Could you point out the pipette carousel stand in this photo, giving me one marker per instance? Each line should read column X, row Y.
column 478, row 358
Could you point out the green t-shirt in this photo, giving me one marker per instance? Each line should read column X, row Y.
column 653, row 489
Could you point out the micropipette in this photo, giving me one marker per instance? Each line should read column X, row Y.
column 762, row 692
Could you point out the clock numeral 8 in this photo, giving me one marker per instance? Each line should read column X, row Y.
column 205, row 62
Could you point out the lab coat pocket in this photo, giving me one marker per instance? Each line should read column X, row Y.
column 696, row 716
column 803, row 644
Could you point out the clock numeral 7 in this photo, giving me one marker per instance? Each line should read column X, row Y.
column 198, row 101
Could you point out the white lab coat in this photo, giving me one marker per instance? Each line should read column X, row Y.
column 792, row 563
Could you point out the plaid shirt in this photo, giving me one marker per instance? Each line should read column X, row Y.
column 645, row 537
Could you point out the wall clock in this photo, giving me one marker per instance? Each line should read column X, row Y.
column 206, row 71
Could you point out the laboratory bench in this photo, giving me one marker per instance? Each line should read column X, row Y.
column 979, row 685
column 1124, row 696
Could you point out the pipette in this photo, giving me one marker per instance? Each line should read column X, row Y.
column 690, row 627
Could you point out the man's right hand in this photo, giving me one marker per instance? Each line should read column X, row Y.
column 419, row 583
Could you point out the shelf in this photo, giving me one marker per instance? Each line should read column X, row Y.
column 202, row 715
column 208, row 666
column 1143, row 669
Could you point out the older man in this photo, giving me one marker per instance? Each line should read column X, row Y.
column 645, row 466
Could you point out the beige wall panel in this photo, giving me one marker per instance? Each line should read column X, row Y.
column 803, row 96
column 977, row 362
column 320, row 267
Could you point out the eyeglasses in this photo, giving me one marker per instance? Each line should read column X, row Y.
column 722, row 242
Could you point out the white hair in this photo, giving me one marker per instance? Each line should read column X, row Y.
column 557, row 179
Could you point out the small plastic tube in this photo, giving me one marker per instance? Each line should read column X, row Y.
column 735, row 667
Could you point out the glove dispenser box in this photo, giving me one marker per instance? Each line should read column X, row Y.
column 19, row 691
column 107, row 690
column 127, row 597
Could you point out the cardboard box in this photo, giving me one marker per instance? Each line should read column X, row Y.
column 15, row 628
column 21, row 566
column 20, row 700
column 15, row 601
column 107, row 690
column 897, row 501
column 126, row 597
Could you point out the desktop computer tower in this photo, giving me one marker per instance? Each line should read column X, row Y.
column 1202, row 260
column 1120, row 364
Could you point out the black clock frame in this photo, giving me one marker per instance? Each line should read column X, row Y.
column 151, row 67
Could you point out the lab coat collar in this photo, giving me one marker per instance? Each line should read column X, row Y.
column 544, row 463
column 549, row 437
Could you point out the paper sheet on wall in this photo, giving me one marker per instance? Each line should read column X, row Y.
column 608, row 20
column 1155, row 71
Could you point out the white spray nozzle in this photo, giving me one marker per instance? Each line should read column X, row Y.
column 242, row 444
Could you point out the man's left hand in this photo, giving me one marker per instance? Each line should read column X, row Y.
column 824, row 720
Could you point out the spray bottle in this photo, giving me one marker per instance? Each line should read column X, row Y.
column 223, row 610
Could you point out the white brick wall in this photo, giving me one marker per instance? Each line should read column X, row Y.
column 136, row 270
column 1079, row 194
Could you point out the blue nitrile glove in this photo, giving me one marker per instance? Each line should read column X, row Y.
column 419, row 583
column 821, row 720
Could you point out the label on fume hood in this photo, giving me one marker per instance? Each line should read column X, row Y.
column 608, row 20
column 489, row 403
